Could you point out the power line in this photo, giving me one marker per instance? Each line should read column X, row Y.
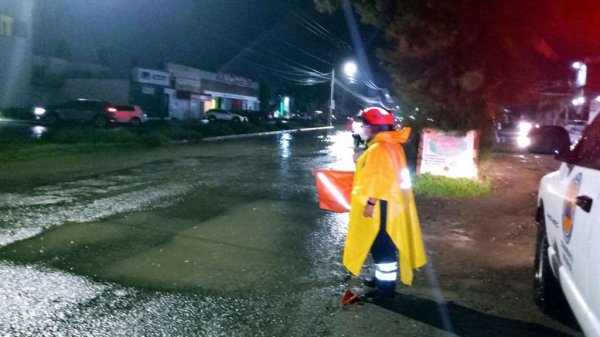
column 317, row 29
column 307, row 53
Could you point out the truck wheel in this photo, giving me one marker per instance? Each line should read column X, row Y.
column 356, row 141
column 546, row 289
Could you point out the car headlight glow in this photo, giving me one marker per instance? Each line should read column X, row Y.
column 524, row 128
column 39, row 111
column 523, row 141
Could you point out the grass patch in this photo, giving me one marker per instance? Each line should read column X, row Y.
column 79, row 139
column 17, row 113
column 443, row 187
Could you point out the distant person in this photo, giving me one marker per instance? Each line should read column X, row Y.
column 383, row 214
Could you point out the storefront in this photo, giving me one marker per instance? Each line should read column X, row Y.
column 195, row 91
column 149, row 90
column 231, row 101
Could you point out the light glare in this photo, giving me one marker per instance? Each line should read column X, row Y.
column 350, row 69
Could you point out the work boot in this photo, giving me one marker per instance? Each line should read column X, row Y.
column 376, row 296
column 370, row 283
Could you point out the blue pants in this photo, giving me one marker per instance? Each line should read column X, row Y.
column 385, row 257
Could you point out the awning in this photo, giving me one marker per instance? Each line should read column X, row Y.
column 232, row 96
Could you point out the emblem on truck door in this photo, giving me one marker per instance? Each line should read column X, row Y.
column 568, row 218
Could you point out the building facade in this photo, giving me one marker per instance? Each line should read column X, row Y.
column 150, row 90
column 194, row 91
column 16, row 19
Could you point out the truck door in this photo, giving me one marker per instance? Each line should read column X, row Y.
column 594, row 256
column 581, row 228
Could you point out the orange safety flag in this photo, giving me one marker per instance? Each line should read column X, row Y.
column 335, row 188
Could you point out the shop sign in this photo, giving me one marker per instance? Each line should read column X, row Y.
column 187, row 84
column 148, row 91
column 201, row 97
column 150, row 76
column 233, row 79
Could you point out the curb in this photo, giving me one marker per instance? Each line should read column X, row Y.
column 248, row 135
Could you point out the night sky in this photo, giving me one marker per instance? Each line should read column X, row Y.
column 254, row 38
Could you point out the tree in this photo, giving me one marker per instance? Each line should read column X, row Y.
column 458, row 61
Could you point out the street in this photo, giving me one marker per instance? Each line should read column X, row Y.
column 20, row 130
column 226, row 239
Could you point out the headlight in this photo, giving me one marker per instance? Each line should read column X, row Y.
column 525, row 127
column 39, row 111
column 523, row 141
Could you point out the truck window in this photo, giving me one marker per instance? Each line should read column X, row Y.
column 587, row 150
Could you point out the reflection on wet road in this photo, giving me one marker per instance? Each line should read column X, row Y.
column 226, row 243
column 20, row 130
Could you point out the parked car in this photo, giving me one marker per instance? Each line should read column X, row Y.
column 256, row 116
column 224, row 115
column 130, row 114
column 301, row 117
column 514, row 131
column 568, row 214
column 97, row 112
column 575, row 129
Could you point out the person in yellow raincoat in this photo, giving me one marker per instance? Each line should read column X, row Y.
column 383, row 215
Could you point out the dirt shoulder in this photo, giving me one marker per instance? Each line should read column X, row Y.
column 481, row 253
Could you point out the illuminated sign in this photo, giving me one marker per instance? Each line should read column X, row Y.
column 448, row 154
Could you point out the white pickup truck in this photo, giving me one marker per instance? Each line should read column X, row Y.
column 568, row 247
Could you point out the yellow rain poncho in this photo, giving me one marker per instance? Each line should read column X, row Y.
column 381, row 173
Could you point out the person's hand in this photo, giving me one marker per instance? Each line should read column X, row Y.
column 368, row 211
column 357, row 154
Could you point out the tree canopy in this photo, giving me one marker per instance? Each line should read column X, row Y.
column 458, row 61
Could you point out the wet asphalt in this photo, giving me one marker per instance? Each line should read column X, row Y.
column 228, row 242
column 11, row 130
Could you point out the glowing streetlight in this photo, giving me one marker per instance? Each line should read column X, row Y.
column 350, row 69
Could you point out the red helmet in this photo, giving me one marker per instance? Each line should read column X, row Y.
column 377, row 116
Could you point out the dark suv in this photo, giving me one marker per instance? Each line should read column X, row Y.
column 100, row 113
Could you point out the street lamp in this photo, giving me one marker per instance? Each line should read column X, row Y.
column 350, row 70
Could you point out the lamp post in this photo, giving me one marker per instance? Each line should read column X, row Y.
column 350, row 70
column 331, row 101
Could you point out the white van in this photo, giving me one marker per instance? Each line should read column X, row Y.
column 568, row 245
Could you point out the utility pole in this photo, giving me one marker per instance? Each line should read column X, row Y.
column 331, row 102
